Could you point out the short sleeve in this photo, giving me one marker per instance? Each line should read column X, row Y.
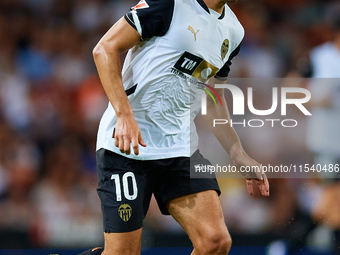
column 224, row 71
column 151, row 17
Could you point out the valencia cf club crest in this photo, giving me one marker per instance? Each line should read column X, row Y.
column 125, row 212
column 141, row 5
column 224, row 48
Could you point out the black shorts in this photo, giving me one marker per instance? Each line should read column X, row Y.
column 126, row 186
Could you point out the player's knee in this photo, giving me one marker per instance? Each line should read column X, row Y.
column 215, row 242
column 125, row 252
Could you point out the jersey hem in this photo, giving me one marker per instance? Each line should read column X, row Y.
column 147, row 157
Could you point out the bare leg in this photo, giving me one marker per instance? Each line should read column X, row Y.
column 201, row 216
column 123, row 243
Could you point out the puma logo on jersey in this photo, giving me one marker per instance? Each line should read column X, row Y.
column 193, row 31
column 142, row 4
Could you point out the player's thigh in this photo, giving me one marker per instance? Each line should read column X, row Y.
column 201, row 216
column 123, row 190
column 128, row 243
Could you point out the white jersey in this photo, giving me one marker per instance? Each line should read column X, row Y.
column 325, row 60
column 184, row 44
column 323, row 135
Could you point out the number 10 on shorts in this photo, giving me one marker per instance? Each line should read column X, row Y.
column 126, row 190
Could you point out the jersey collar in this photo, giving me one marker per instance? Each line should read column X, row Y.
column 205, row 7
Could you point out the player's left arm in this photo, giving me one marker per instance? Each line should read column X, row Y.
column 230, row 141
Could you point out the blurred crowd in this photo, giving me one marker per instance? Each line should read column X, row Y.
column 51, row 101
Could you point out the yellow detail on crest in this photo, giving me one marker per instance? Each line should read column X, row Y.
column 125, row 212
column 224, row 48
column 193, row 31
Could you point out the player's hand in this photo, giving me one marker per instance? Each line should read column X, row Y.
column 261, row 182
column 257, row 177
column 127, row 132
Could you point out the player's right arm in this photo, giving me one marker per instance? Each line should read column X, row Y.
column 120, row 38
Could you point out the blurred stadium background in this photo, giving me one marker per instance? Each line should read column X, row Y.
column 51, row 101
